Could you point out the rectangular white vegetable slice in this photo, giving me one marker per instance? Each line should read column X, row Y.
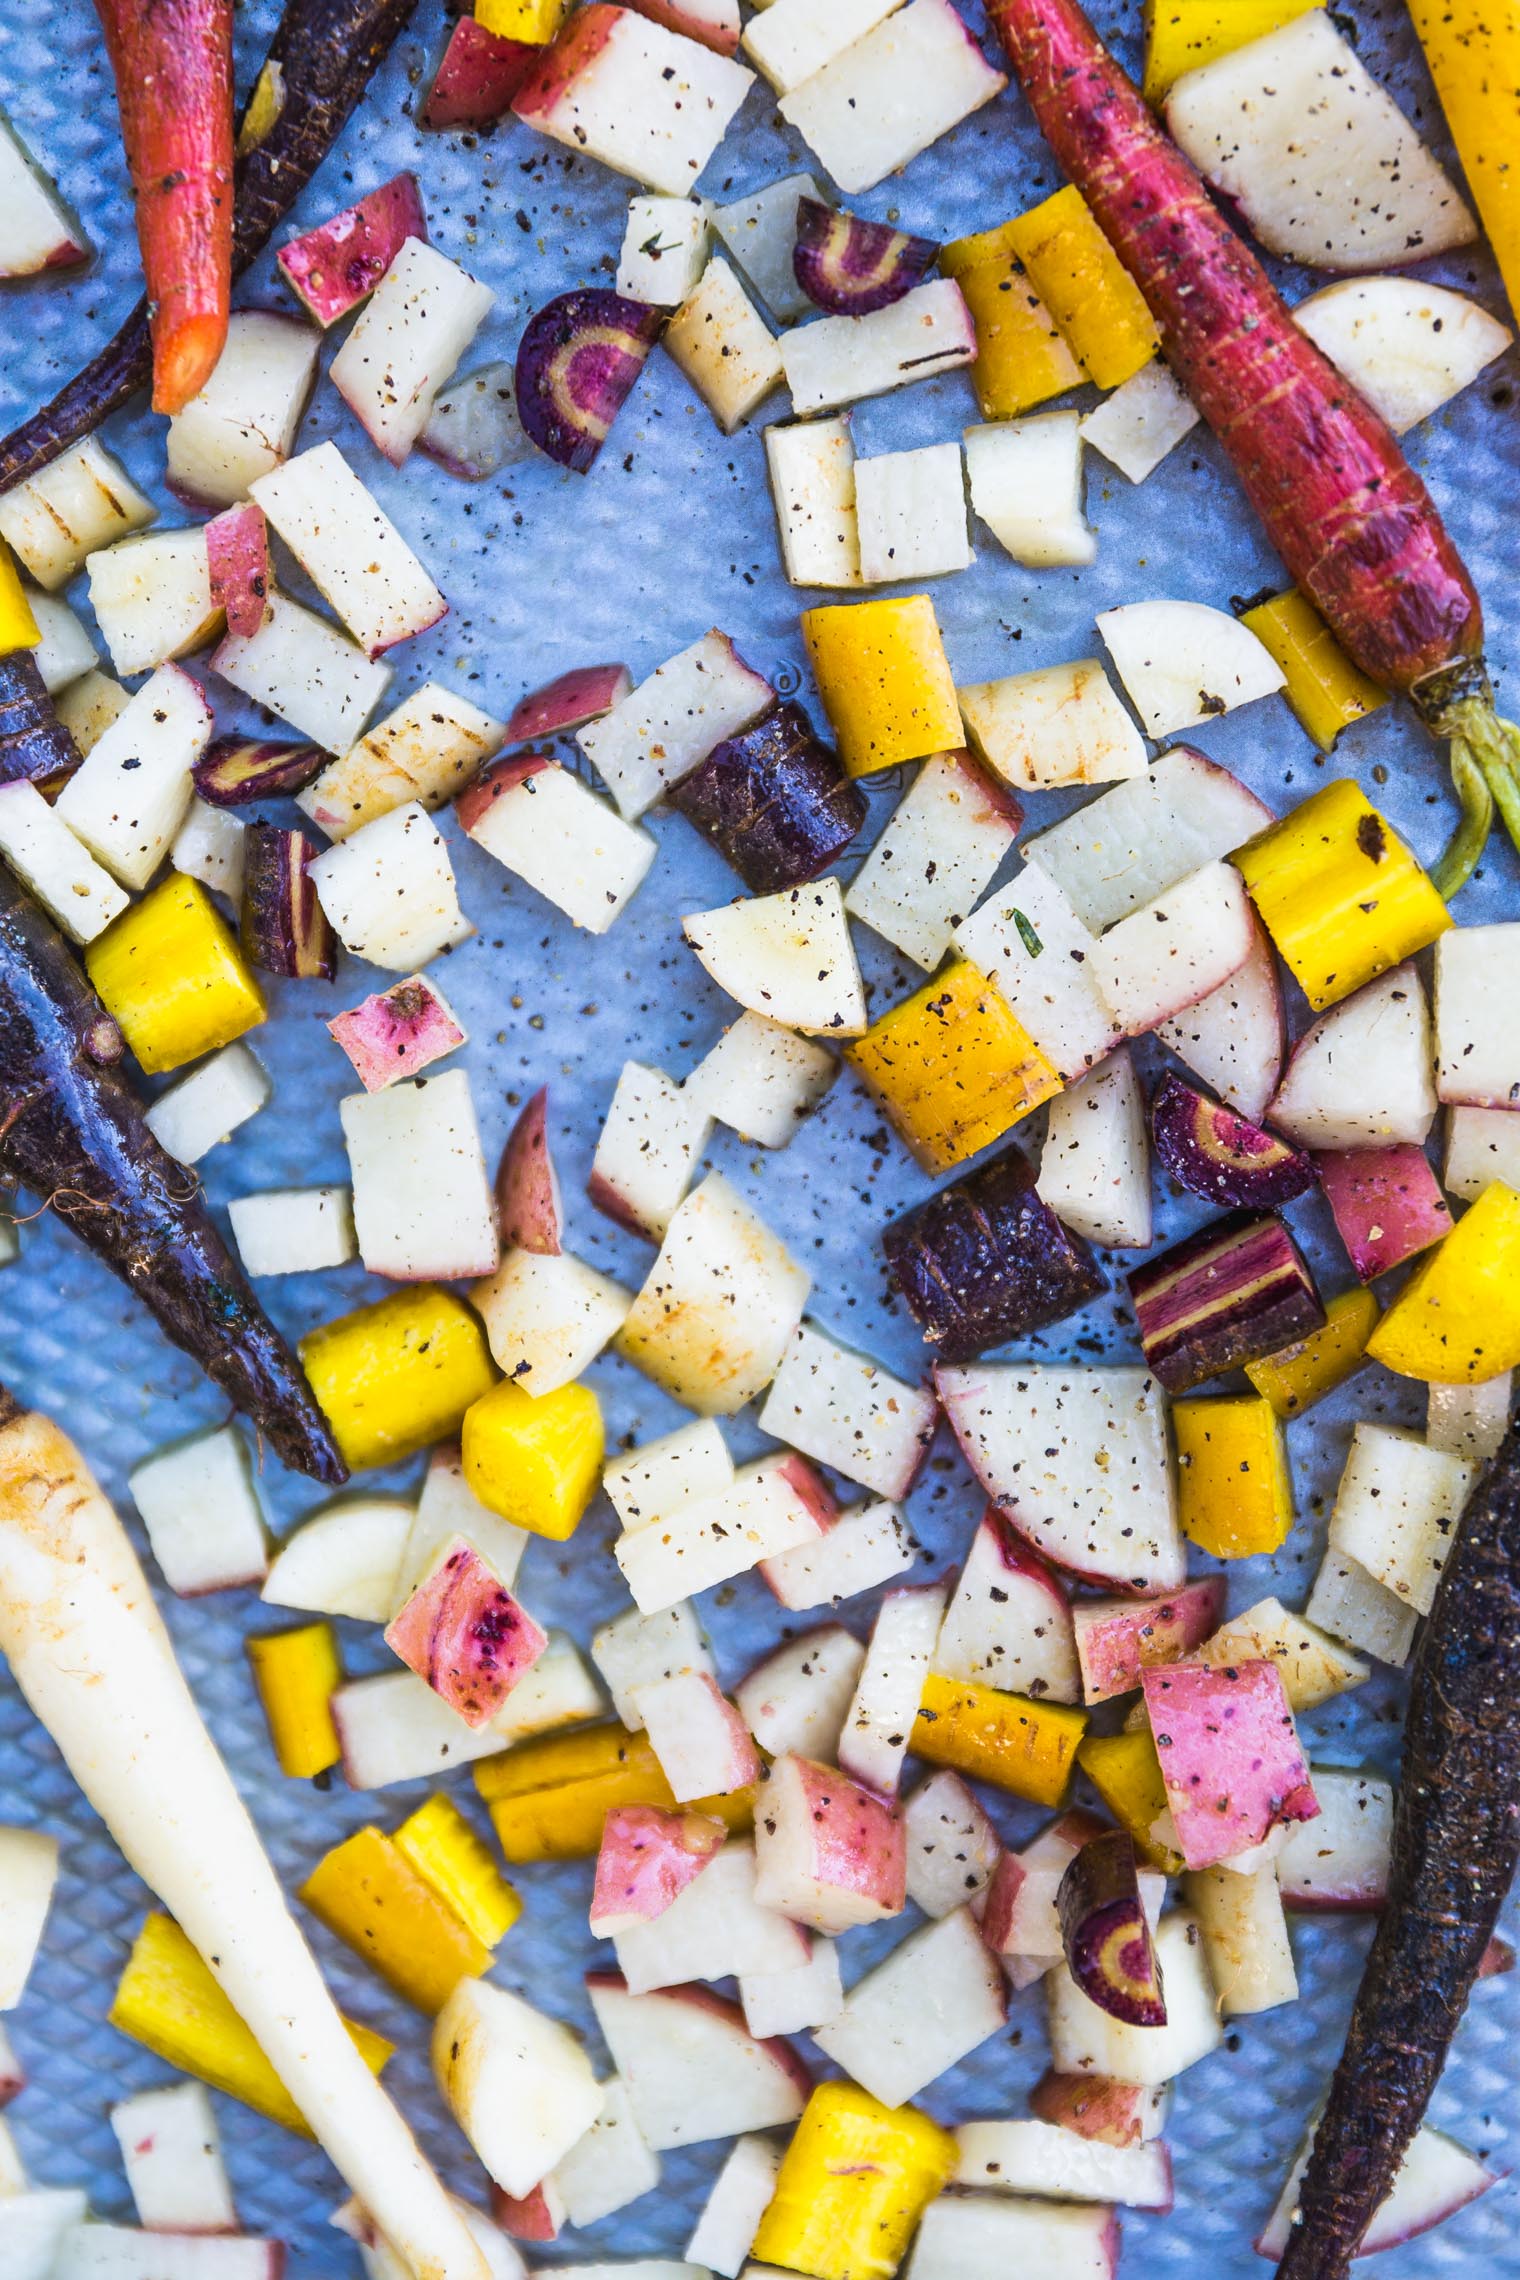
column 664, row 250
column 795, row 38
column 849, row 1413
column 423, row 1207
column 1031, row 943
column 760, row 233
column 244, row 420
column 292, row 1231
column 1352, row 1605
column 172, row 2155
column 1477, row 1016
column 812, row 471
column 389, row 891
column 758, row 1518
column 640, row 98
column 409, row 337
column 88, row 706
column 610, row 2167
column 667, row 725
column 719, row 1306
column 575, row 850
column 1482, row 1145
column 1061, row 724
column 761, row 1080
column 1054, row 2164
column 952, row 1846
column 986, row 2236
column 647, row 1150
column 427, row 749
column 305, row 670
column 65, row 651
column 1175, row 950
column 910, row 512
column 1095, row 1167
column 130, row 797
column 892, row 94
column 839, row 360
column 873, row 1741
column 927, row 2006
column 724, row 346
column 28, row 1873
column 868, row 1545
column 548, row 1318
column 39, row 232
column 793, row 2002
column 395, row 1728
column 349, row 547
column 635, row 1650
column 152, row 598
column 200, row 1110
column 714, row 1929
column 82, row 501
column 1026, row 484
column 56, row 866
column 681, row 1468
column 202, row 1513
column 209, row 846
column 1397, row 1509
column 936, row 856
column 1146, row 417
column 739, row 2198
column 1129, row 846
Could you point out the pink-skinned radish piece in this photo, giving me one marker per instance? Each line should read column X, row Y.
column 332, row 268
column 1386, row 1203
column 1167, row 955
column 1230, row 1756
column 830, row 1854
column 529, row 1211
column 715, row 1928
column 237, row 558
column 235, row 771
column 703, row 1745
column 397, row 1032
column 577, row 361
column 1095, row 2107
column 1214, row 1152
column 692, row 2069
column 465, row 1635
column 581, row 695
column 1009, row 1624
column 1436, row 2178
column 711, row 23
column 539, row 2215
column 1233, row 1293
column 849, row 266
column 1234, row 1039
column 477, row 77
column 284, row 928
column 1117, row 1639
column 647, row 1859
column 1021, row 1920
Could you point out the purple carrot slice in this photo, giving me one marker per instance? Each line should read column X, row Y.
column 576, row 362
column 1221, row 1156
column 775, row 801
column 1231, row 1294
column 1104, row 1932
column 284, row 927
column 35, row 747
column 235, row 771
column 850, row 266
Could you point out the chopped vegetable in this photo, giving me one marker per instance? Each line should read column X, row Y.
column 170, row 974
column 397, row 1033
column 1386, row 1203
column 1325, row 689
column 884, row 679
column 35, row 747
column 954, row 1067
column 1470, row 51
column 1117, row 1638
column 1229, row 1756
column 774, row 801
column 1457, row 1319
column 296, row 1674
column 1021, row 358
column 849, row 266
column 536, row 1460
column 332, row 268
column 1126, row 1772
column 577, row 362
column 368, row 1893
column 891, row 94
column 477, row 77
column 986, row 1260
column 283, row 926
column 446, row 1852
column 1234, row 1492
column 1011, row 1740
column 1182, row 34
column 1104, row 1932
column 1229, row 1295
column 1098, row 310
column 397, row 1375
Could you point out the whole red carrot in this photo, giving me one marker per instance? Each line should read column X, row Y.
column 173, row 66
column 1352, row 521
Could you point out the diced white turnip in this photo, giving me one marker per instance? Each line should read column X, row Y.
column 1146, row 417
column 1477, row 1016
column 38, row 234
column 647, row 1150
column 203, row 1517
column 1095, row 1170
column 1062, row 724
column 172, row 2155
column 796, row 1698
column 1406, row 345
column 713, row 1928
column 128, row 800
column 664, row 250
column 1116, row 1638
column 792, row 39
column 389, row 893
column 1235, row 1037
column 292, row 1231
column 1171, row 952
column 394, row 1728
column 422, row 1201
column 1182, row 662
column 1482, row 1145
column 865, row 1546
column 210, row 845
column 849, row 1413
column 770, row 1508
column 794, row 2001
column 65, row 653
column 426, row 750
column 1030, row 942
column 670, row 723
column 474, row 428
column 239, row 567
column 1315, row 153
column 654, row 1480
column 421, row 318
column 1009, row 1624
column 448, row 1508
column 354, row 555
column 1078, row 1460
column 609, row 2167
column 519, row 2084
column 720, row 1305
column 1245, row 1938
column 1055, row 2164
column 541, row 822
column 152, row 598
column 879, row 1721
column 760, row 233
column 932, row 2002
column 812, row 472
column 78, row 504
column 1361, row 1076
column 88, row 706
column 337, row 264
column 788, row 956
column 120, row 2252
column 761, row 1080
column 639, row 97
column 984, row 2236
column 1470, row 1420
column 28, row 1872
column 910, row 515
column 33, row 2228
column 548, row 1317
column 937, row 854
column 891, row 94
column 701, row 1741
column 1354, row 1607
column 952, row 1847
column 1085, row 2040
column 305, row 670
column 829, row 1854
column 724, row 346
column 1339, row 1863
column 245, row 419
column 840, row 360
column 199, row 1111
column 56, row 867
column 1092, row 2106
column 731, row 2215
column 690, row 2066
column 1230, row 1756
column 344, row 1560
column 1397, row 1509
column 1435, row 2179
column 1026, row 484
column 1133, row 843
column 634, row 1651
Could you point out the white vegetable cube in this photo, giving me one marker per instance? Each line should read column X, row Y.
column 760, row 233
column 394, row 1727
column 812, row 471
column 389, row 891
column 172, row 2154
column 202, row 1513
column 344, row 1559
column 761, row 1080
column 88, row 706
column 839, row 360
column 739, row 2198
column 56, row 867
column 1470, row 1420
column 294, row 1231
column 795, row 38
column 1086, row 2040
column 547, row 1318
column 1354, row 1607
column 609, row 2167
column 634, row 1651
column 209, row 846
column 1128, row 847
column 763, row 1514
column 349, row 547
column 1477, row 1016
column 892, row 93
column 795, row 1700
column 952, row 1846
column 666, row 726
column 1173, row 951
column 647, row 1150
column 640, row 98
column 519, row 2084
column 305, row 670
column 1031, row 943
column 40, row 233
column 865, row 1546
column 1026, row 484
column 1095, row 1171
column 130, row 797
column 982, row 2236
column 1182, row 662
column 936, row 856
column 794, row 2001
column 448, row 1507
column 664, row 250
column 201, row 1110
column 702, row 1744
column 409, row 337
column 152, row 598
column 684, row 1467
column 929, row 2005
column 426, row 750
column 910, row 510
column 1053, row 2162
column 899, row 1654
column 1061, row 724
column 693, row 2072
column 789, row 956
column 28, row 1872
column 423, row 1207
column 1482, row 1145
column 849, row 1413
column 82, row 501
column 1146, row 417
column 244, row 420
column 1397, row 1509
column 554, row 833
column 724, row 346
column 65, row 651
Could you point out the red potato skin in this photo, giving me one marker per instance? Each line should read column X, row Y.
column 529, row 2219
column 332, row 268
column 674, row 17
column 1092, row 2106
column 492, row 783
column 237, row 553
column 584, row 38
column 1352, row 521
column 476, row 80
column 583, row 694
column 528, row 1213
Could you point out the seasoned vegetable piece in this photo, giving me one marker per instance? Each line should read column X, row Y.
column 446, row 1852
column 536, row 1460
column 169, row 972
column 1021, row 359
column 1220, row 1155
column 1016, row 1743
column 986, row 1260
column 462, row 1632
column 577, row 362
column 1098, row 309
column 398, row 1375
column 1324, row 688
column 234, row 771
column 549, row 1799
column 35, row 747
column 1387, row 1205
column 774, row 801
column 1470, row 51
column 1221, row 1298
column 1301, row 1374
column 296, row 1674
column 18, row 625
column 284, row 928
column 954, row 1067
column 885, row 681
column 368, row 1893
column 1118, row 1638
column 1234, row 1494
column 1126, row 1772
column 852, row 2186
column 850, row 266
column 1457, row 1319
column 1104, row 1932
column 1229, row 1755
column 1182, row 34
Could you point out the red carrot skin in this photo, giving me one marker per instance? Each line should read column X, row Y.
column 1352, row 521
column 173, row 66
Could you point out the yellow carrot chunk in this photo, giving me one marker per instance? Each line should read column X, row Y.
column 1303, row 1373
column 1018, row 1744
column 1126, row 1772
column 536, row 1460
column 367, row 1892
column 885, row 681
column 1234, row 1494
column 1097, row 306
column 1182, row 34
column 394, row 1377
column 953, row 1066
column 1021, row 359
column 18, row 627
column 1473, row 50
column 296, row 1674
column 534, row 22
column 167, row 2000
column 549, row 1798
column 170, row 974
column 852, row 2186
column 1457, row 1319
column 1322, row 685
column 447, row 1854
column 1339, row 893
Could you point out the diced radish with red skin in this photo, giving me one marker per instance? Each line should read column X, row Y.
column 581, row 695
column 1117, row 1639
column 1093, row 2107
column 423, row 1208
column 1234, row 1038
column 985, row 2236
column 235, row 771
column 737, row 2202
column 1020, row 1918
column 849, row 266
column 1361, row 1077
column 635, row 95
column 647, row 1858
column 1061, row 2164
column 237, row 555
column 797, row 1697
column 986, row 1260
column 1129, row 846
column 421, row 319
column 686, row 708
column 1230, row 1757
column 716, row 1928
column 829, row 1853
column 1386, row 1203
column 543, row 824
column 1171, row 952
column 332, row 268
column 474, row 85
column 702, row 1743
column 172, row 2156
column 953, row 1848
column 691, row 2068
column 1104, row 1932
column 1338, row 1864
column 1009, row 1624
column 865, row 1546
column 577, row 361
column 530, row 1213
column 935, row 1999
column 1436, row 2178
column 1233, row 1293
column 711, row 23
column 539, row 2215
column 397, row 1032
column 465, row 1634
column 874, row 1739
column 1221, row 1156
column 283, row 926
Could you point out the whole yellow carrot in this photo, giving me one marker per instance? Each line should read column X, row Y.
column 1473, row 50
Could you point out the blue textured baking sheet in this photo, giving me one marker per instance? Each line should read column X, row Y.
column 671, row 533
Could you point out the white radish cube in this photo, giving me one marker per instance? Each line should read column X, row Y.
column 547, row 1318
column 1245, row 1938
column 1482, row 1145
column 209, row 846
column 172, row 2155
column 839, row 360
column 1085, row 2040
column 795, row 1700
column 709, row 1542
column 1340, row 1860
column 1095, row 1169
column 1055, row 2164
column 739, row 2198
column 1026, row 484
column 668, row 725
column 201, row 1110
column 28, row 1872
column 344, row 1559
column 607, row 2168
column 130, row 797
column 664, row 250
column 389, row 891
column 693, row 2072
column 1397, row 1509
column 640, row 98
column 394, row 1727
column 795, row 38
column 244, row 421
column 868, row 1545
column 152, row 598
column 409, row 338
column 1172, row 952
column 120, row 2252
column 715, row 1928
column 1029, row 941
column 849, row 1413
column 1146, row 417
column 1477, row 1016
column 635, row 1651
column 938, row 853
column 720, row 1304
column 685, row 1467
column 892, row 94
column 952, row 1846
column 724, row 346
column 1009, row 1624
column 57, row 868
column 879, row 1721
column 1314, row 1668
column 1182, row 662
column 423, row 1206
column 519, row 2084
column 812, row 471
column 910, row 509
column 305, row 670
column 426, row 750
column 82, row 501
column 1361, row 1076
column 1062, row 724
column 88, row 706
column 1353, row 1606
column 448, row 1507
column 1406, row 345
column 294, row 1231
column 65, row 651
column 1128, row 847
column 34, row 2228
column 552, row 830
column 929, row 2005
column 789, row 956
column 39, row 232
column 647, row 1150
column 760, row 233
column 349, row 548
column 1470, row 1420
column 985, row 2236
column 761, row 1080
column 202, row 1513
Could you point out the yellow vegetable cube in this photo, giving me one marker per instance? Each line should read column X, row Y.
column 168, row 2000
column 447, row 1854
column 1339, row 893
column 1014, row 1742
column 1324, row 688
column 1457, row 1319
column 953, row 1066
column 296, row 1674
column 1126, row 1772
column 1021, row 359
column 18, row 627
column 394, row 1377
column 1097, row 306
column 1182, row 34
column 852, row 2185
column 368, row 1893
column 170, row 974
column 537, row 1460
column 885, row 681
column 549, row 1798
column 1303, row 1373
column 1235, row 1498
column 534, row 22
column 1471, row 47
